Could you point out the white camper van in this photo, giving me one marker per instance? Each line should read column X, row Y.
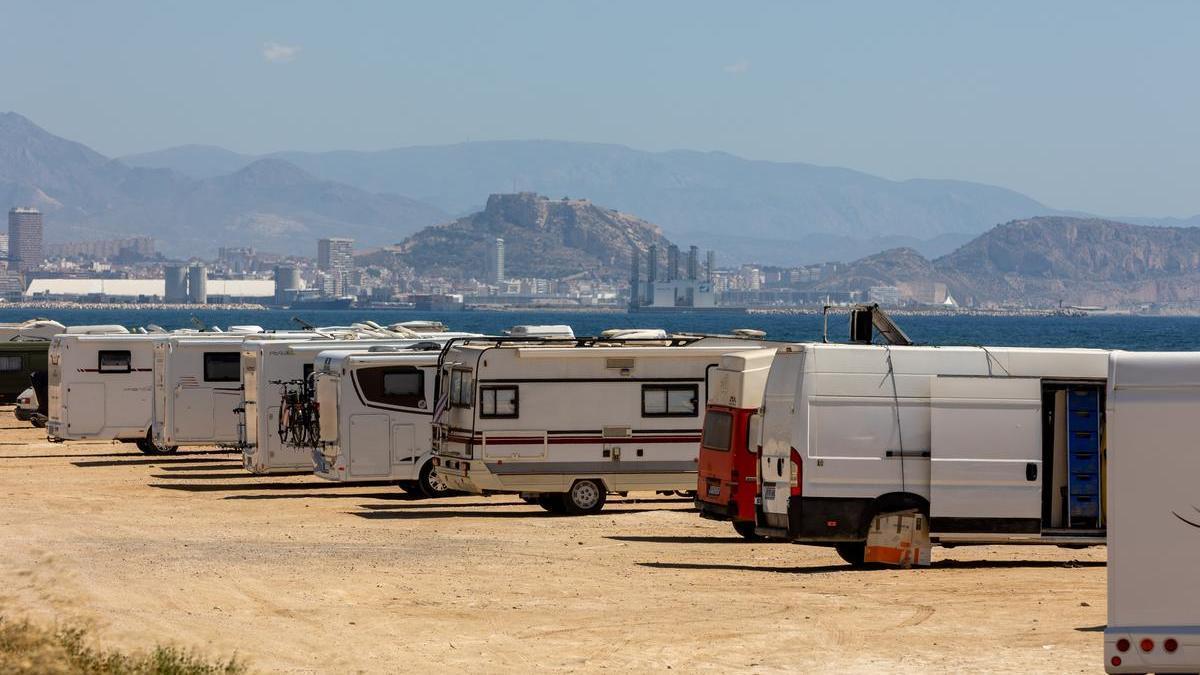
column 996, row 445
column 376, row 409
column 1153, row 513
column 101, row 387
column 564, row 423
column 266, row 365
column 198, row 387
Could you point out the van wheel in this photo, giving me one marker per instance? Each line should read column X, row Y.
column 411, row 487
column 552, row 503
column 432, row 486
column 746, row 529
column 854, row 552
column 148, row 446
column 38, row 422
column 584, row 498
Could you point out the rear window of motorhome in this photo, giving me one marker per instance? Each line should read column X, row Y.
column 461, row 388
column 670, row 400
column 718, row 430
column 114, row 361
column 402, row 386
column 499, row 402
column 222, row 366
column 10, row 364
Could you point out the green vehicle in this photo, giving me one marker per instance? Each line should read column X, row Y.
column 18, row 360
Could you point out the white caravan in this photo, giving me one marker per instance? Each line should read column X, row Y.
column 376, row 409
column 563, row 423
column 996, row 445
column 1153, row 513
column 267, row 364
column 101, row 387
column 198, row 386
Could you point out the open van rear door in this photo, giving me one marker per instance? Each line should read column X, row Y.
column 986, row 454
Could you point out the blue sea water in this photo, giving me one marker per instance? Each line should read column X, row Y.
column 1103, row 331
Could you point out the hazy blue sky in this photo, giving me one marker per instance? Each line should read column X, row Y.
column 1084, row 105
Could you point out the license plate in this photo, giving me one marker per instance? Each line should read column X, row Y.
column 714, row 490
column 769, row 493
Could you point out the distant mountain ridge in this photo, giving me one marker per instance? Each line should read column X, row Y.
column 268, row 203
column 1048, row 260
column 807, row 213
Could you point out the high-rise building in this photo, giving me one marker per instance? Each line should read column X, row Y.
column 672, row 263
column 497, row 261
column 24, row 239
column 693, row 269
column 336, row 257
column 652, row 264
column 711, row 266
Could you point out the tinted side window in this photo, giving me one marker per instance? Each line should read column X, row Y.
column 114, row 361
column 222, row 366
column 10, row 364
column 402, row 386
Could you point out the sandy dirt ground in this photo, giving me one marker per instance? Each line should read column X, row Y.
column 298, row 575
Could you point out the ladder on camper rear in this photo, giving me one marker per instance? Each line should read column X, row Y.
column 1083, row 457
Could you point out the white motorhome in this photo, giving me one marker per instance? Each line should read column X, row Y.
column 376, row 409
column 1153, row 513
column 197, row 386
column 266, row 364
column 564, row 423
column 101, row 387
column 996, row 445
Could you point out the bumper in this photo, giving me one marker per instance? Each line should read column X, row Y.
column 1185, row 658
column 823, row 520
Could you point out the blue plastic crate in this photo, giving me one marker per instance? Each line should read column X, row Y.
column 1082, row 441
column 1083, row 419
column 1083, row 398
column 1084, row 484
column 1085, row 507
column 1084, row 462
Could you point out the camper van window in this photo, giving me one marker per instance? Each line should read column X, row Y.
column 718, row 430
column 10, row 364
column 402, row 386
column 670, row 400
column 114, row 361
column 461, row 388
column 222, row 366
column 499, row 402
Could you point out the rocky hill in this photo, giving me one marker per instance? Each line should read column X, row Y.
column 1044, row 261
column 550, row 238
column 270, row 203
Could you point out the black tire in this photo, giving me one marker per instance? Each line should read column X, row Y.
column 746, row 529
column 430, row 485
column 551, row 502
column 149, row 447
column 584, row 498
column 529, row 500
column 38, row 422
column 854, row 552
column 411, row 487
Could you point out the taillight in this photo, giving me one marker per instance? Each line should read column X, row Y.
column 1116, row 661
column 1146, row 644
column 1170, row 644
column 1122, row 645
column 797, row 474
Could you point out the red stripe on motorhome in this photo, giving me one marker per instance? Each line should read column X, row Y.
column 573, row 440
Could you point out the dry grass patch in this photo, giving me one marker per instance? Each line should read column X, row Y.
column 30, row 648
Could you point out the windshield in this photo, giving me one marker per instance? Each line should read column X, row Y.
column 718, row 430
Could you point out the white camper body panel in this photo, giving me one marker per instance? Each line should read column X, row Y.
column 264, row 364
column 536, row 419
column 1154, row 512
column 198, row 386
column 370, row 429
column 100, row 387
column 957, row 427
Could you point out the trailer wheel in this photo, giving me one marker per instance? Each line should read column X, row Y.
column 853, row 552
column 149, row 447
column 552, row 503
column 584, row 498
column 746, row 529
column 432, row 486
